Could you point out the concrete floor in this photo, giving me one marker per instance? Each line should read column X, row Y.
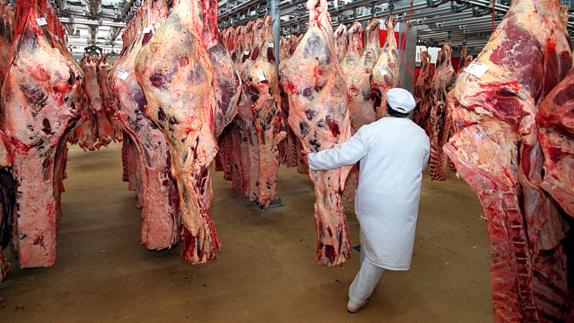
column 266, row 270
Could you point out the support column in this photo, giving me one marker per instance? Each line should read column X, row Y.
column 274, row 11
column 407, row 80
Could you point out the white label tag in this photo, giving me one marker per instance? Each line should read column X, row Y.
column 477, row 69
column 261, row 75
column 246, row 53
column 123, row 74
column 383, row 70
column 270, row 45
column 146, row 30
column 41, row 21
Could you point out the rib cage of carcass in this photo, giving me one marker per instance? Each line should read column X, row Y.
column 500, row 150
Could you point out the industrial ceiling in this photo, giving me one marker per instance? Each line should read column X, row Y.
column 101, row 22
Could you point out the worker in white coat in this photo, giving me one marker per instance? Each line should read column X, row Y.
column 393, row 153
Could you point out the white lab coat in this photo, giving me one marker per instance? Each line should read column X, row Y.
column 393, row 152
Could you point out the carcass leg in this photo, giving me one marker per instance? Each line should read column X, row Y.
column 195, row 195
column 333, row 243
column 36, row 208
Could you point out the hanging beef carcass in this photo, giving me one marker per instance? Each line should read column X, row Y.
column 439, row 130
column 245, row 124
column 38, row 113
column 290, row 144
column 423, row 87
column 84, row 134
column 293, row 146
column 361, row 98
column 261, row 88
column 130, row 159
column 425, row 109
column 341, row 41
column 495, row 149
column 176, row 73
column 108, row 100
column 555, row 122
column 386, row 73
column 159, row 214
column 315, row 85
column 226, row 84
column 355, row 49
column 361, row 104
column 104, row 130
column 226, row 160
column 465, row 60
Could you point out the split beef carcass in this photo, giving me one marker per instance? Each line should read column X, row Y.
column 108, row 100
column 361, row 98
column 423, row 88
column 316, row 87
column 355, row 49
column 231, row 145
column 439, row 130
column 245, row 123
column 176, row 73
column 361, row 103
column 84, row 135
column 38, row 113
column 341, row 41
column 495, row 149
column 129, row 152
column 386, row 73
column 159, row 198
column 555, row 123
column 290, row 144
column 261, row 89
column 465, row 60
column 104, row 130
column 227, row 84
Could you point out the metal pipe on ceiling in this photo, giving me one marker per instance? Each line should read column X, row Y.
column 276, row 15
column 433, row 20
column 91, row 22
column 468, row 21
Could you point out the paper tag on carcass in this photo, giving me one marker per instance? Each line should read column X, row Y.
column 41, row 21
column 261, row 75
column 270, row 45
column 477, row 69
column 383, row 70
column 146, row 30
column 123, row 74
column 246, row 53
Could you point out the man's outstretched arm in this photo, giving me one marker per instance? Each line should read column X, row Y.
column 347, row 154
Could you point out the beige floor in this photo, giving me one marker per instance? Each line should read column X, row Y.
column 265, row 273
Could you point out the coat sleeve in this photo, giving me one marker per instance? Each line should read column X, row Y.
column 346, row 154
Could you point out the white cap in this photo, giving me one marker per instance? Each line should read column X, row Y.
column 401, row 100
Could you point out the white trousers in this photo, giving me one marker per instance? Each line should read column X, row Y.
column 365, row 281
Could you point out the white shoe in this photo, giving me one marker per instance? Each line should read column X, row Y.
column 354, row 308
